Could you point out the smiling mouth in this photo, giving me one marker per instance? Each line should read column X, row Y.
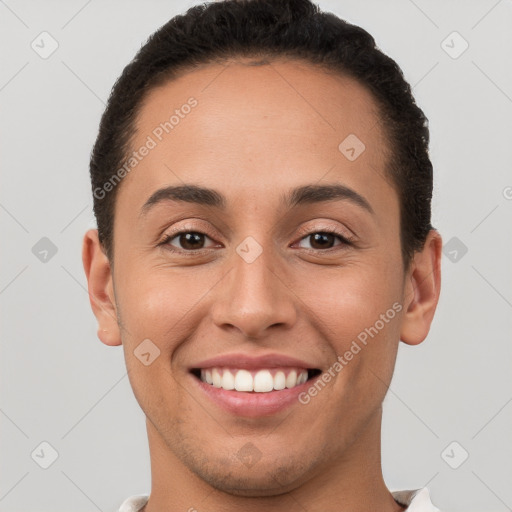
column 262, row 380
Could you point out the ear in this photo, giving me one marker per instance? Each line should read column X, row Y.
column 101, row 291
column 421, row 293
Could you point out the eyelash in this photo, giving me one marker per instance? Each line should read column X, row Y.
column 347, row 241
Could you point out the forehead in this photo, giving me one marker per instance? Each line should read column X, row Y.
column 260, row 128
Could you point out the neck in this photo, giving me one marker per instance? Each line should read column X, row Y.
column 351, row 481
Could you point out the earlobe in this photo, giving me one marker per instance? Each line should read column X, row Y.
column 422, row 290
column 99, row 280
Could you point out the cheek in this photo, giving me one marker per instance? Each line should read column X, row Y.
column 357, row 310
column 154, row 302
column 348, row 299
column 158, row 311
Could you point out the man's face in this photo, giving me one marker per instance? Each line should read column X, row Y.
column 257, row 278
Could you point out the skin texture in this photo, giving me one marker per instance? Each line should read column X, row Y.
column 256, row 133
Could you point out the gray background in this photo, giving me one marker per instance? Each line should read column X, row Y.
column 61, row 385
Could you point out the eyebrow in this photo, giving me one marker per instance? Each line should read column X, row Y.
column 186, row 193
column 306, row 194
column 309, row 194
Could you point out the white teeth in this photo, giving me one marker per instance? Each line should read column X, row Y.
column 262, row 381
column 291, row 380
column 228, row 381
column 279, row 381
column 243, row 381
column 216, row 377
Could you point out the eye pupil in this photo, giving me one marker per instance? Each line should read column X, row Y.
column 322, row 237
column 187, row 240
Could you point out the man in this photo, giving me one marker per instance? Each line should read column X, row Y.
column 262, row 189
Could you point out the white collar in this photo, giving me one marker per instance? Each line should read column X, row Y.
column 417, row 500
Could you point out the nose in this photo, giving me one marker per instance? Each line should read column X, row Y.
column 253, row 298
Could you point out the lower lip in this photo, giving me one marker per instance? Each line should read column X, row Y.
column 250, row 404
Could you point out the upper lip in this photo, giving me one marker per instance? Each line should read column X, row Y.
column 246, row 361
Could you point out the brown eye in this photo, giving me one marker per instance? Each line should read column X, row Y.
column 187, row 240
column 191, row 240
column 324, row 240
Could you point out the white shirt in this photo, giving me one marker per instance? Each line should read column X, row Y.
column 417, row 500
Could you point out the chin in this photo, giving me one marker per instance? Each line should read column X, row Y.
column 255, row 485
column 263, row 478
